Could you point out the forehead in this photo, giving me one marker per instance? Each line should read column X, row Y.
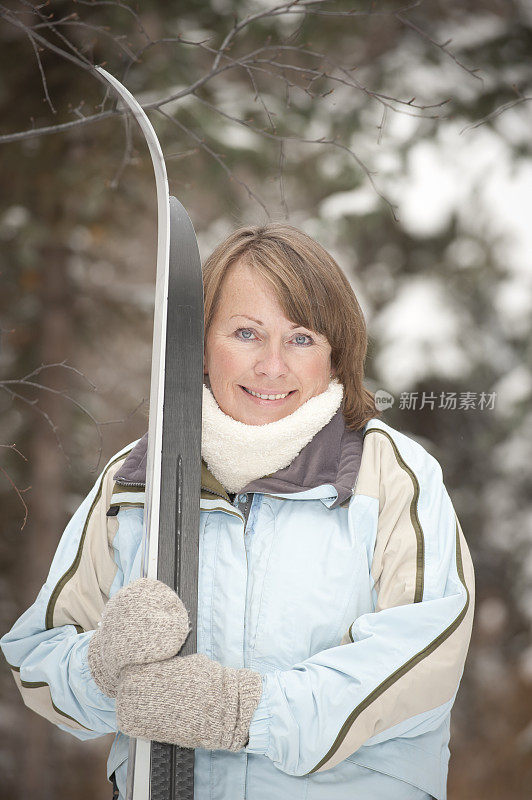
column 244, row 290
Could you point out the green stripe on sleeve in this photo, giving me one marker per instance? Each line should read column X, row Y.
column 430, row 648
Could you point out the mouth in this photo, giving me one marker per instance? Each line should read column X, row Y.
column 267, row 398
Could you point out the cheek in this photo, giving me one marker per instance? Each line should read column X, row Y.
column 316, row 370
column 224, row 361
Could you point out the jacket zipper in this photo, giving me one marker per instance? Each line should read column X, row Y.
column 245, row 510
column 210, row 491
column 143, row 486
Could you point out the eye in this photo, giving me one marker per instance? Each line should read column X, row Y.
column 303, row 339
column 245, row 333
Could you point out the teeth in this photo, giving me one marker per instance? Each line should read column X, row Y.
column 268, row 396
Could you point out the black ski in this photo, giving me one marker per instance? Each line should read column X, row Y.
column 173, row 476
column 172, row 768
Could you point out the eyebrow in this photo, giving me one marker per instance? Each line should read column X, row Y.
column 245, row 316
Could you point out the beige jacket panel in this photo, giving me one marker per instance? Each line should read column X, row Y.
column 429, row 678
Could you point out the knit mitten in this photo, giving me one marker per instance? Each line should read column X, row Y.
column 190, row 701
column 143, row 622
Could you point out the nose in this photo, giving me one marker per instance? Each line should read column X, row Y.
column 271, row 361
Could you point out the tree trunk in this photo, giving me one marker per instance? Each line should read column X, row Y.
column 47, row 516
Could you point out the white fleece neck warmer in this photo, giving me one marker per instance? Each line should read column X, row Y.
column 237, row 453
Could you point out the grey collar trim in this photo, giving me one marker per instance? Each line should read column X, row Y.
column 133, row 470
column 332, row 457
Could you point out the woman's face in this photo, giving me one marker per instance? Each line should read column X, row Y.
column 253, row 349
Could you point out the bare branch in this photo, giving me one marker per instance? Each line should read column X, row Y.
column 258, row 96
column 192, row 152
column 348, row 81
column 68, row 21
column 62, row 364
column 34, row 404
column 117, row 4
column 306, row 71
column 13, row 387
column 166, row 40
column 217, row 158
column 59, row 392
column 284, row 204
column 269, row 12
column 250, row 61
column 13, row 447
column 115, row 422
column 442, row 47
column 380, row 127
column 75, row 56
column 124, row 419
column 14, row 485
column 306, row 8
column 498, row 111
column 48, row 129
column 301, row 139
column 156, row 105
column 41, row 70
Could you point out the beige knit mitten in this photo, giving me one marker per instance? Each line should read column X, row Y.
column 143, row 622
column 190, row 701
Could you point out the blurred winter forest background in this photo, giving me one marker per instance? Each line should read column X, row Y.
column 399, row 136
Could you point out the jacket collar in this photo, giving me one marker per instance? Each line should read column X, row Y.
column 331, row 458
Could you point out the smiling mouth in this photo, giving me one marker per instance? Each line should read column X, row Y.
column 271, row 397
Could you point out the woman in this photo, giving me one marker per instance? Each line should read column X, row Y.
column 335, row 586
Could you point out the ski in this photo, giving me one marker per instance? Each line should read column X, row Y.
column 158, row 771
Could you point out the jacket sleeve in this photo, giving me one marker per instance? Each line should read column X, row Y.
column 397, row 670
column 47, row 647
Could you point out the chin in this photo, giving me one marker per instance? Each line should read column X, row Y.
column 267, row 418
column 262, row 418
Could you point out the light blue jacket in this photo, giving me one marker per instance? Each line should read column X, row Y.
column 356, row 607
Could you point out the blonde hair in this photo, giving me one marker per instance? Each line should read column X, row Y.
column 313, row 292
